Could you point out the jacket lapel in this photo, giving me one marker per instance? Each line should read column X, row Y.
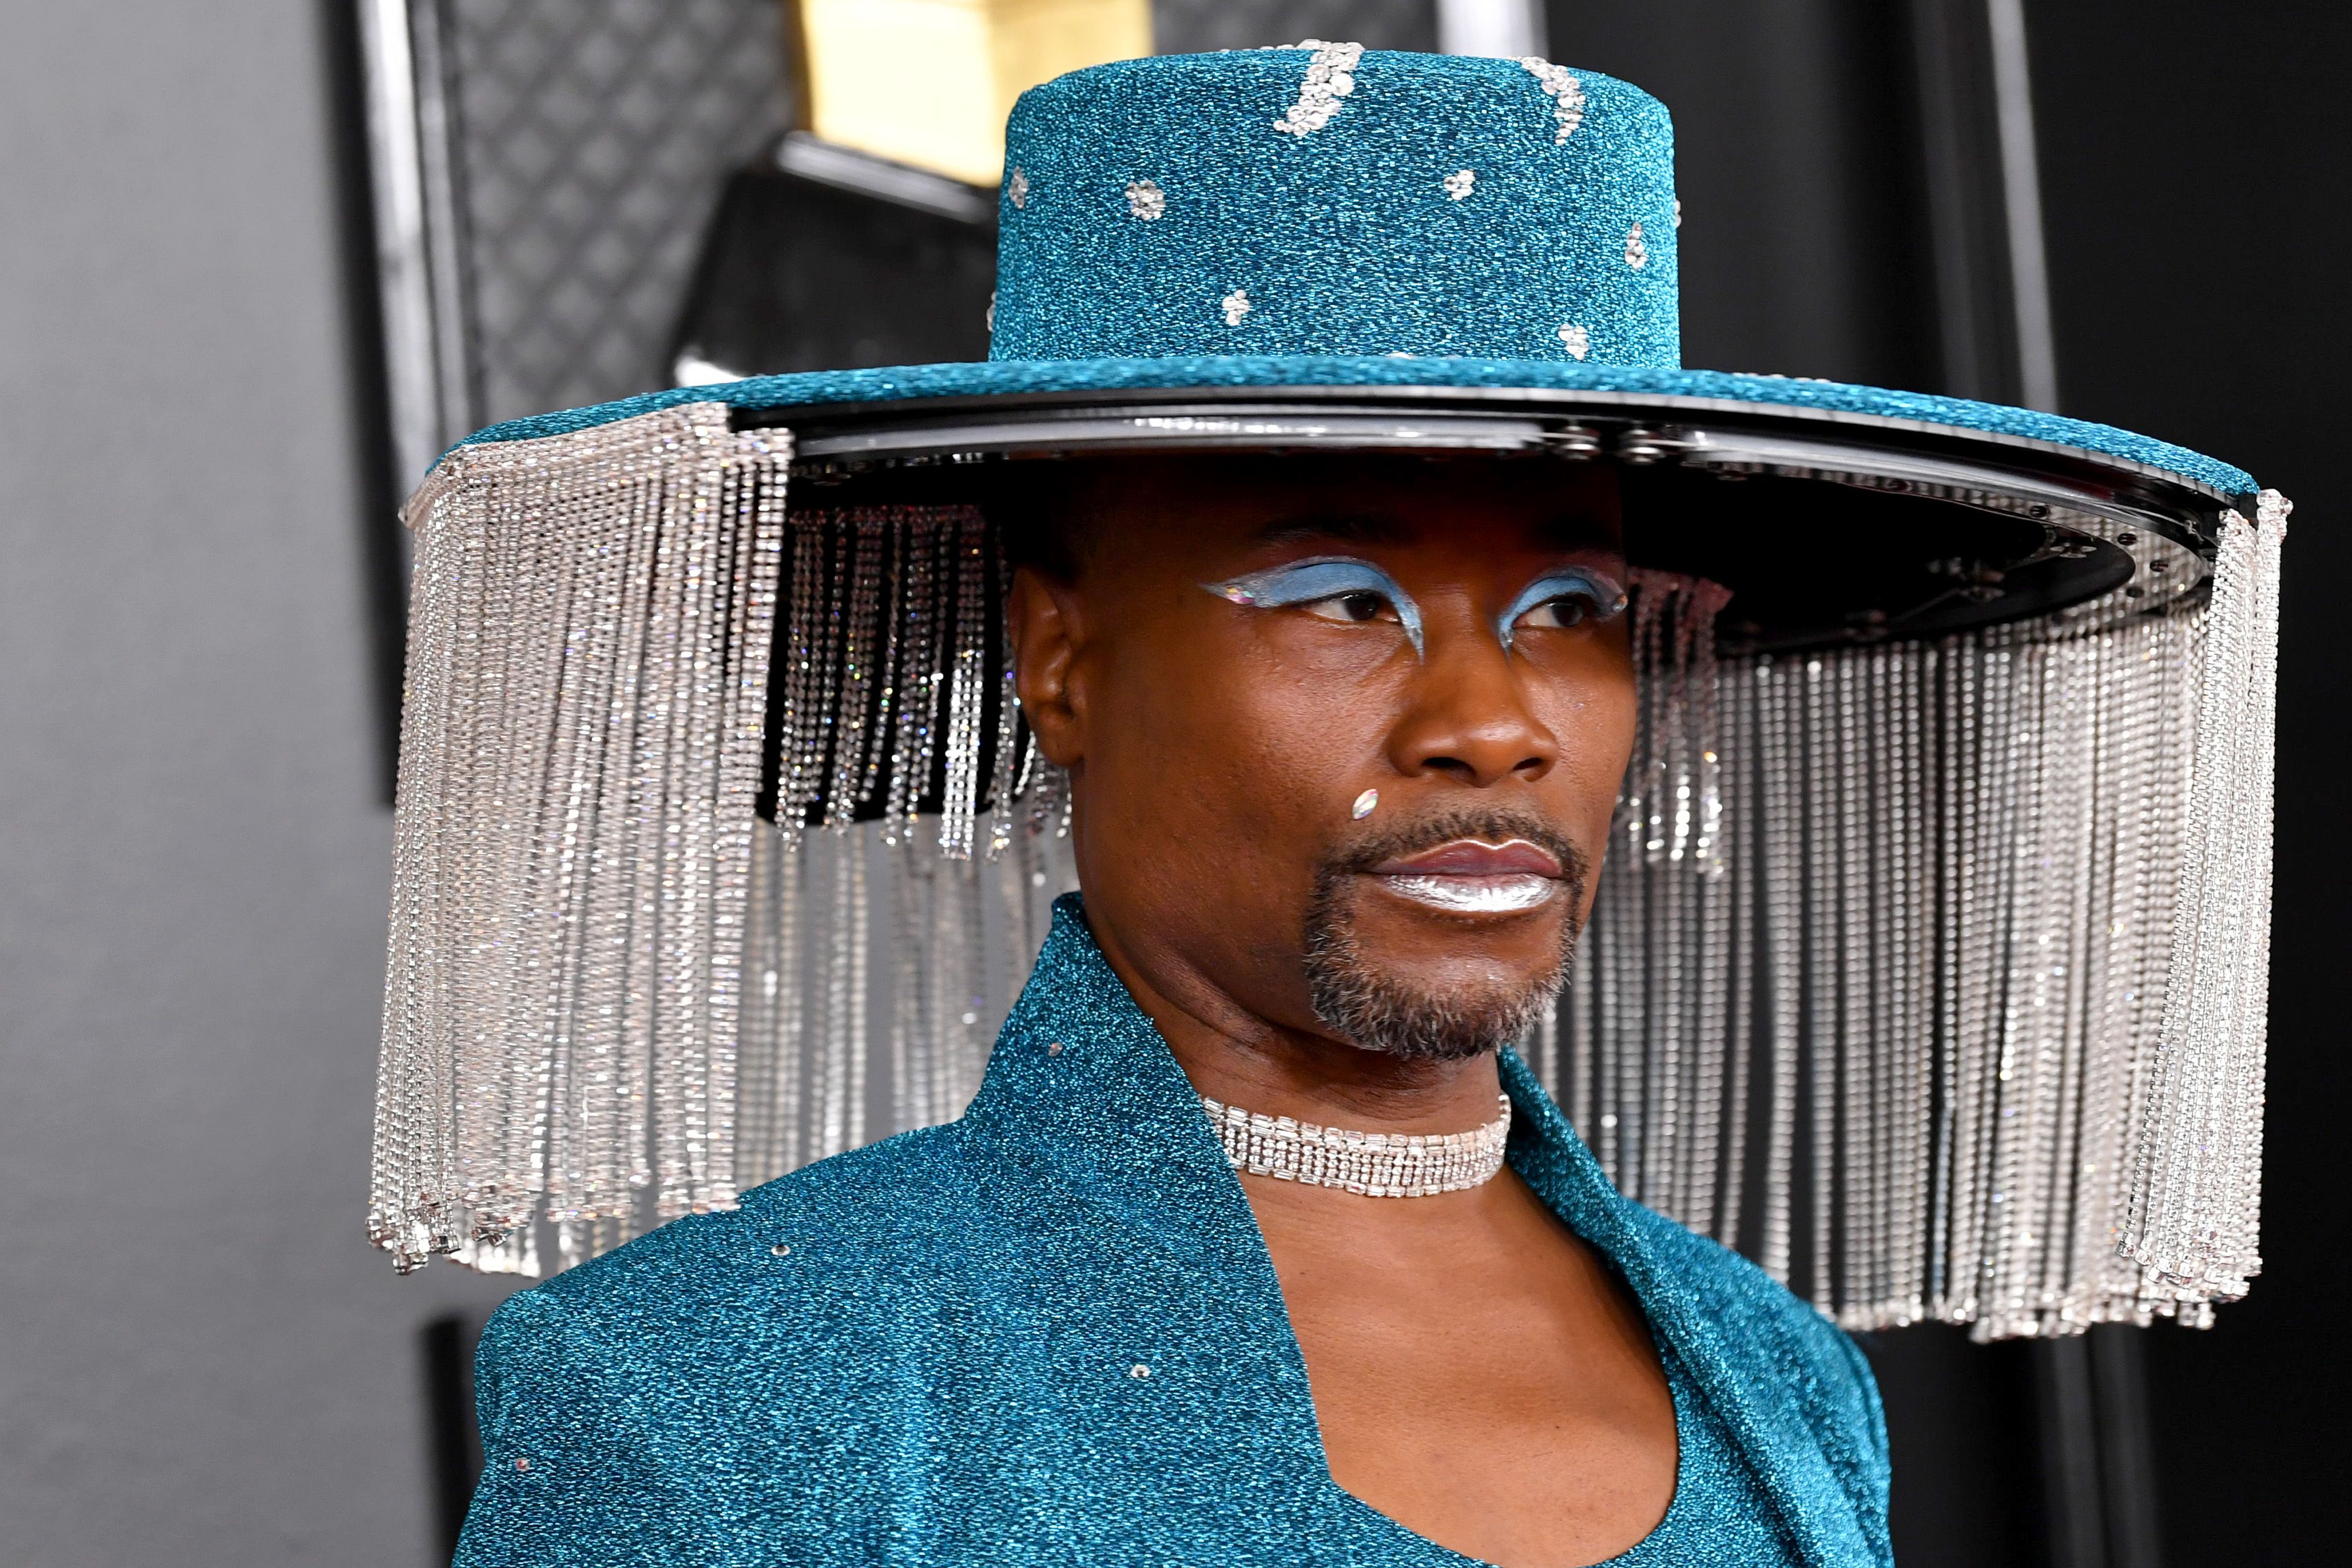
column 1082, row 1088
column 1778, row 1445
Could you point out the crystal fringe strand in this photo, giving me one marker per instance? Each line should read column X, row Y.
column 1975, row 979
column 581, row 738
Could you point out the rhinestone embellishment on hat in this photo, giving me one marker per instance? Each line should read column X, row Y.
column 1458, row 184
column 1637, row 252
column 1566, row 96
column 1017, row 187
column 1329, row 77
column 1235, row 305
column 1577, row 341
column 1145, row 199
column 1374, row 1164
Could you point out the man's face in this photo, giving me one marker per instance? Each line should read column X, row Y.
column 1345, row 734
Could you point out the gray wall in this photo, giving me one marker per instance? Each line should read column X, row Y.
column 203, row 1361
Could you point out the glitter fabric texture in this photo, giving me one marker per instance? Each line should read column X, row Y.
column 1341, row 253
column 927, row 1350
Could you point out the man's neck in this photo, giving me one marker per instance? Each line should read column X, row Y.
column 1234, row 1056
column 1479, row 1374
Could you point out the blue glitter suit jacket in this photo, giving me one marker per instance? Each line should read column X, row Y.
column 942, row 1367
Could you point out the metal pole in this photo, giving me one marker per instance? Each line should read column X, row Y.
column 1505, row 29
column 403, row 268
column 2020, row 183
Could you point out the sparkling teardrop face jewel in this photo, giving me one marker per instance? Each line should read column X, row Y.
column 1365, row 802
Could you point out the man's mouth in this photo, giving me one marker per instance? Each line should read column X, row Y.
column 1472, row 876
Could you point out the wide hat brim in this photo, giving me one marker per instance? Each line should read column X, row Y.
column 2000, row 894
column 1880, row 514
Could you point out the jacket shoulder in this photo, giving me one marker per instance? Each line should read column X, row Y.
column 603, row 1392
column 902, row 1202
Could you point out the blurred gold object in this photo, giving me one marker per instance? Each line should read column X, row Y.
column 929, row 82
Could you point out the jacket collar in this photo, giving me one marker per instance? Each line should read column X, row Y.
column 1083, row 1086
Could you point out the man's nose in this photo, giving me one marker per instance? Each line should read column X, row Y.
column 1468, row 715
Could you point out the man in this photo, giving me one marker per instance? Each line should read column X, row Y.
column 1336, row 831
column 1448, row 648
column 1360, row 526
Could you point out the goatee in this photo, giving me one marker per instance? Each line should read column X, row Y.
column 1368, row 1008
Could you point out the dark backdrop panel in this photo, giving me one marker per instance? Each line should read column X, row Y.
column 2199, row 201
column 1803, row 239
column 1805, row 251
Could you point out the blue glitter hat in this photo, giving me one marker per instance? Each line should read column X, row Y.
column 1989, row 856
column 1330, row 217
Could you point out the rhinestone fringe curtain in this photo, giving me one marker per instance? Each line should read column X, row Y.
column 1931, row 976
column 580, row 750
column 878, row 972
column 2194, row 1217
column 1951, row 1007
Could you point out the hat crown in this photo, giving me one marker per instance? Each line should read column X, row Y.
column 1326, row 199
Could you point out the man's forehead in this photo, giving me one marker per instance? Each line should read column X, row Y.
column 1201, row 512
column 1337, row 526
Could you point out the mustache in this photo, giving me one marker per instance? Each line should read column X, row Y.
column 1363, row 850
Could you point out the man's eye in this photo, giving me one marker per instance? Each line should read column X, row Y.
column 1334, row 588
column 1566, row 611
column 1360, row 605
column 1569, row 602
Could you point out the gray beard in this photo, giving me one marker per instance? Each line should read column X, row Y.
column 1364, row 1006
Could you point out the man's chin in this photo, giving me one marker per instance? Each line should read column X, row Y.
column 1376, row 1013
column 1412, row 977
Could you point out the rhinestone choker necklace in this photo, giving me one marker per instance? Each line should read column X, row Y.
column 1377, row 1165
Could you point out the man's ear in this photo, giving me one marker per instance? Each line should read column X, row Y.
column 1042, row 618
